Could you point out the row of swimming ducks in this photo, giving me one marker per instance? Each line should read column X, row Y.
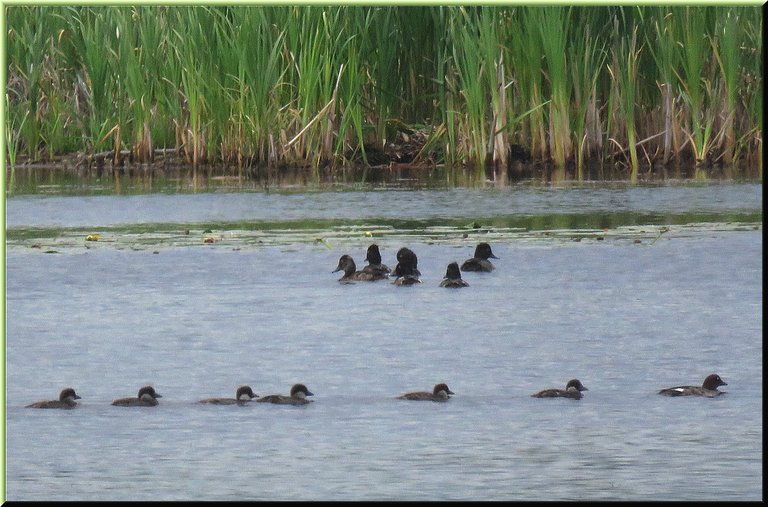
column 406, row 271
column 147, row 396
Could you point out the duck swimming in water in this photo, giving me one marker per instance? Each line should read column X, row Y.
column 347, row 264
column 439, row 393
column 480, row 261
column 572, row 390
column 452, row 278
column 707, row 389
column 373, row 258
column 406, row 271
column 299, row 393
column 147, row 397
column 66, row 400
column 243, row 395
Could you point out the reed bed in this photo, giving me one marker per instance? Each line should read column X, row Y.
column 639, row 87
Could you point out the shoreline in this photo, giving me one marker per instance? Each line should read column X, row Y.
column 172, row 162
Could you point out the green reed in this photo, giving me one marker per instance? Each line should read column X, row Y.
column 586, row 55
column 553, row 23
column 31, row 47
column 624, row 71
column 325, row 85
column 89, row 37
column 524, row 48
column 732, row 49
column 751, row 93
column 660, row 40
column 257, row 81
column 695, row 49
column 471, row 76
column 13, row 129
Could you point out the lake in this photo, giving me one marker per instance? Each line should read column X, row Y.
column 628, row 288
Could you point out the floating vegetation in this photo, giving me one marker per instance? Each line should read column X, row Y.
column 257, row 89
column 576, row 229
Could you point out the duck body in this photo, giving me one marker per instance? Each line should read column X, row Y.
column 573, row 390
column 477, row 265
column 298, row 396
column 66, row 401
column 708, row 389
column 147, row 397
column 243, row 395
column 407, row 280
column 440, row 392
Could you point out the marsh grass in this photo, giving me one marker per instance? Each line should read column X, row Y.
column 252, row 86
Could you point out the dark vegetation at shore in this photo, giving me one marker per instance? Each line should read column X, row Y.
column 501, row 90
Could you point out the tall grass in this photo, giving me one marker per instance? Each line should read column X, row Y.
column 624, row 71
column 89, row 37
column 554, row 27
column 660, row 39
column 695, row 85
column 251, row 86
column 586, row 54
column 526, row 54
column 751, row 92
column 470, row 84
column 12, row 139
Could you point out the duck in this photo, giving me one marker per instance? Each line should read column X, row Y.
column 373, row 258
column 347, row 264
column 480, row 261
column 66, row 400
column 452, row 278
column 406, row 258
column 440, row 392
column 299, row 392
column 243, row 395
column 707, row 389
column 406, row 271
column 147, row 397
column 573, row 390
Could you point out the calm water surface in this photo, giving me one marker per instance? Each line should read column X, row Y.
column 650, row 288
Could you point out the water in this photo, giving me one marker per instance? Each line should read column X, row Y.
column 388, row 206
column 660, row 298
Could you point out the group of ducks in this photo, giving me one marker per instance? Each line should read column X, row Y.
column 406, row 271
column 574, row 388
column 147, row 396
